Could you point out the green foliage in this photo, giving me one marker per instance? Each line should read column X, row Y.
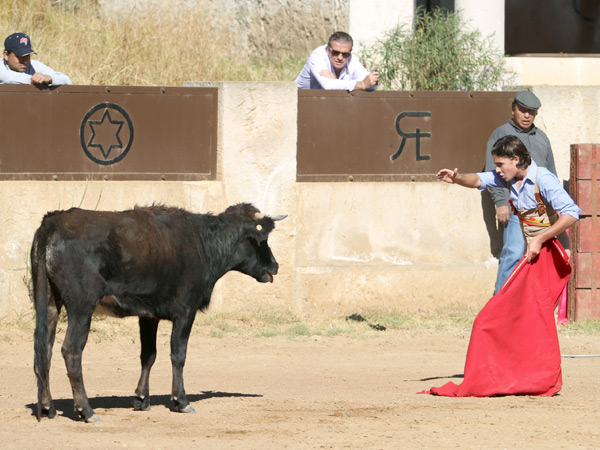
column 439, row 54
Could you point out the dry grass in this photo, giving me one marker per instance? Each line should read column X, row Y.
column 267, row 323
column 158, row 46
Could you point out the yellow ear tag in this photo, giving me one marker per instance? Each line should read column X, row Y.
column 259, row 227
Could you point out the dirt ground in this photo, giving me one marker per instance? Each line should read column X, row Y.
column 306, row 392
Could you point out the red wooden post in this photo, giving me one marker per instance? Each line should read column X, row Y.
column 584, row 188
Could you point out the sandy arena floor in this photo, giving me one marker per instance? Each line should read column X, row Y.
column 309, row 392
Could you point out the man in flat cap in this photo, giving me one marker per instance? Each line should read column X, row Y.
column 19, row 68
column 524, row 109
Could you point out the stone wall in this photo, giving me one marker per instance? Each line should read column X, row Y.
column 264, row 28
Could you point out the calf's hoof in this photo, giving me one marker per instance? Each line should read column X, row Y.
column 182, row 406
column 93, row 419
column 187, row 409
column 141, row 403
column 48, row 411
column 88, row 417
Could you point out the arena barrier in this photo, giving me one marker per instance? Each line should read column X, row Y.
column 108, row 133
column 391, row 239
column 394, row 136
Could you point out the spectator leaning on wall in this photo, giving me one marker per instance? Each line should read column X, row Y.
column 332, row 66
column 19, row 68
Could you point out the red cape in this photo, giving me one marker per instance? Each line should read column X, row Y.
column 514, row 345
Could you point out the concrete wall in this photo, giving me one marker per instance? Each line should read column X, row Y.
column 345, row 247
column 487, row 17
column 256, row 163
column 569, row 115
column 555, row 70
column 369, row 19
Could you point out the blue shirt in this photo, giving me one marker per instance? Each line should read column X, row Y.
column 549, row 185
column 536, row 142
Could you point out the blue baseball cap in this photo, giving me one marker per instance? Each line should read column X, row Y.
column 19, row 44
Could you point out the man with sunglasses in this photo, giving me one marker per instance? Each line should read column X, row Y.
column 332, row 66
column 17, row 67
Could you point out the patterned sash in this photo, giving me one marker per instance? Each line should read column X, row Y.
column 534, row 221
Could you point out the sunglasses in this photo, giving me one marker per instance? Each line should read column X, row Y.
column 338, row 53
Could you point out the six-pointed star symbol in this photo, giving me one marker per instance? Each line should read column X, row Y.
column 105, row 133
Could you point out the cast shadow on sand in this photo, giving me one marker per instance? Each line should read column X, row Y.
column 64, row 407
column 458, row 375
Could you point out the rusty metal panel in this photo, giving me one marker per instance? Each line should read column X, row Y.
column 394, row 136
column 108, row 132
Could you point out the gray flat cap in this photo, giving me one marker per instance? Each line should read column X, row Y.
column 528, row 100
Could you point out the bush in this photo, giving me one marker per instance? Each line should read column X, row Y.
column 439, row 54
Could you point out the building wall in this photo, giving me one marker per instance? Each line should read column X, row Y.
column 487, row 17
column 555, row 70
column 344, row 246
column 369, row 19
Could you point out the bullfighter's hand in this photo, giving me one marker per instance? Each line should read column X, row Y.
column 447, row 175
column 533, row 249
column 503, row 214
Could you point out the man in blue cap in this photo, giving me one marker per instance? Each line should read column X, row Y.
column 19, row 68
column 524, row 109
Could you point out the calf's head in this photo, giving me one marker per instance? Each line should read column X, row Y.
column 254, row 257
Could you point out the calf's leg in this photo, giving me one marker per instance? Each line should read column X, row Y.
column 75, row 339
column 53, row 314
column 148, row 328
column 179, row 340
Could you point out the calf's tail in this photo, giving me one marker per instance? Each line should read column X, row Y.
column 41, row 361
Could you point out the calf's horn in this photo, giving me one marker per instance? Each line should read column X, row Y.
column 259, row 216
